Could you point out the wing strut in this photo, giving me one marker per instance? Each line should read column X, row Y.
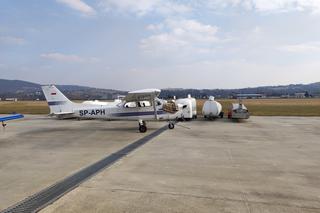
column 155, row 108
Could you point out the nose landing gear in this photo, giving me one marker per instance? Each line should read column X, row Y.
column 171, row 125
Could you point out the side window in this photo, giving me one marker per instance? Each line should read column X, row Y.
column 137, row 104
column 130, row 105
column 145, row 104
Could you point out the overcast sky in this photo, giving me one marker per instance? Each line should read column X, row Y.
column 134, row 44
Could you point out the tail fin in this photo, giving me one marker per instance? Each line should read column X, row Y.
column 58, row 103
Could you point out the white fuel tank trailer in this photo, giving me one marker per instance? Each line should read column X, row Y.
column 212, row 109
column 190, row 110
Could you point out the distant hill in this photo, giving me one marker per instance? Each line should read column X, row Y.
column 274, row 91
column 24, row 90
column 14, row 86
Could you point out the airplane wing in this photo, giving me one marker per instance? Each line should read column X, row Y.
column 11, row 117
column 142, row 95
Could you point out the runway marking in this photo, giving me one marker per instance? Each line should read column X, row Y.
column 38, row 201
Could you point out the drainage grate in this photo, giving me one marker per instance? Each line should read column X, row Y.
column 47, row 196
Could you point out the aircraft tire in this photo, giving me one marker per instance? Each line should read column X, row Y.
column 171, row 126
column 142, row 128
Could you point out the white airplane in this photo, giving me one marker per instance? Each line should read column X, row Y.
column 141, row 105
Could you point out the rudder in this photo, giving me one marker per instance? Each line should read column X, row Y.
column 57, row 101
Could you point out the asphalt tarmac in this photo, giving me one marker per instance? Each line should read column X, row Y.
column 265, row 164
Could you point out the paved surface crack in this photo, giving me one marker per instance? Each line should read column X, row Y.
column 207, row 197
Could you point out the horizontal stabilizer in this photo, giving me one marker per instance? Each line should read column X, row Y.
column 11, row 117
column 62, row 113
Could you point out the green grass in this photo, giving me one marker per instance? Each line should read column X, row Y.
column 24, row 107
column 274, row 107
column 258, row 107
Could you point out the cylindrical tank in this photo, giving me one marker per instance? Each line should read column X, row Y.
column 211, row 108
column 194, row 106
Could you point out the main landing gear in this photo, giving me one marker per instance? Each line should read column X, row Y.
column 3, row 124
column 142, row 126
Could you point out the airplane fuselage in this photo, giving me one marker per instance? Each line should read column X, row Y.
column 140, row 105
column 120, row 112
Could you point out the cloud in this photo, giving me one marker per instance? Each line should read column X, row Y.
column 310, row 47
column 183, row 36
column 268, row 5
column 68, row 58
column 144, row 7
column 79, row 6
column 12, row 40
column 167, row 7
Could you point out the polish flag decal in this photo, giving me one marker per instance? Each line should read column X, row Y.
column 53, row 93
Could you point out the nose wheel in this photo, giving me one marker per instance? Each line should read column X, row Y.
column 3, row 124
column 171, row 125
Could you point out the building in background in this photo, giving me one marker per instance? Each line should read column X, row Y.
column 250, row 96
column 300, row 95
